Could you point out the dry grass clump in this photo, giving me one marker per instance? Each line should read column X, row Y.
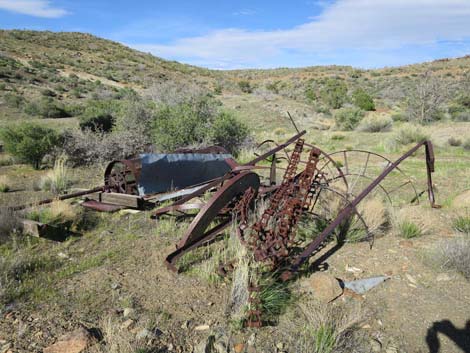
column 330, row 328
column 57, row 180
column 4, row 183
column 453, row 254
column 461, row 224
column 454, row 142
column 408, row 224
column 376, row 123
column 116, row 339
column 405, row 135
column 9, row 223
column 466, row 145
column 56, row 213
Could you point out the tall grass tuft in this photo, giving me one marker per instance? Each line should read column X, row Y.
column 4, row 183
column 461, row 224
column 409, row 133
column 408, row 229
column 375, row 123
column 57, row 180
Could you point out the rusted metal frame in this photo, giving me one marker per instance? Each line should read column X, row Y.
column 277, row 145
column 59, row 198
column 133, row 166
column 368, row 153
column 276, row 149
column 171, row 259
column 196, row 234
column 346, row 212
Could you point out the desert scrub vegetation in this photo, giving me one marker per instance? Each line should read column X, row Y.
column 409, row 229
column 29, row 142
column 454, row 142
column 348, row 119
column 363, row 100
column 330, row 328
column 9, row 224
column 334, row 93
column 56, row 180
column 197, row 122
column 466, row 144
column 4, row 183
column 407, row 134
column 376, row 123
column 58, row 212
column 453, row 254
column 461, row 224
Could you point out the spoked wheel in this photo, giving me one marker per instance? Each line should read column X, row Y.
column 120, row 177
column 360, row 168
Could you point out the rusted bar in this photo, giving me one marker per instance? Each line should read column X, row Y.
column 349, row 209
column 278, row 148
column 60, row 198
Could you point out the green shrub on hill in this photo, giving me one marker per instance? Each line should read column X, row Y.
column 363, row 100
column 98, row 116
column 348, row 118
column 334, row 93
column 29, row 142
column 197, row 122
column 47, row 108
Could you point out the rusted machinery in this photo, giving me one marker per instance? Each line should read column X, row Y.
column 310, row 179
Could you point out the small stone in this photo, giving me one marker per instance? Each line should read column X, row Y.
column 325, row 287
column 128, row 312
column 127, row 324
column 202, row 328
column 74, row 342
column 63, row 255
column 375, row 345
column 115, row 286
column 170, row 347
column 411, row 278
column 252, row 339
column 353, row 269
column 239, row 347
column 405, row 243
column 144, row 333
column 443, row 277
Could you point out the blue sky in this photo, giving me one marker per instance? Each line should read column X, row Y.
column 262, row 34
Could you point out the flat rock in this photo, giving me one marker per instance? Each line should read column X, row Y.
column 443, row 277
column 324, row 287
column 74, row 342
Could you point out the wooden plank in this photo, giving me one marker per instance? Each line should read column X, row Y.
column 132, row 201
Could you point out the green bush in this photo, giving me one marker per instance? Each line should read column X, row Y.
column 245, row 86
column 454, row 142
column 348, row 118
column 409, row 133
column 98, row 116
column 334, row 93
column 466, row 145
column 363, row 100
column 462, row 224
column 408, row 229
column 29, row 142
column 228, row 132
column 46, row 108
column 13, row 100
column 376, row 123
column 194, row 123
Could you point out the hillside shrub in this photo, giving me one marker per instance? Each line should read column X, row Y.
column 363, row 100
column 13, row 100
column 409, row 133
column 245, row 86
column 98, row 116
column 334, row 93
column 376, row 123
column 47, row 108
column 348, row 118
column 454, row 142
column 228, row 132
column 194, row 123
column 29, row 143
column 466, row 144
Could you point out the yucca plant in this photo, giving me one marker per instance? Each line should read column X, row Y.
column 57, row 180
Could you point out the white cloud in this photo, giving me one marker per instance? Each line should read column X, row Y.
column 371, row 25
column 37, row 8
